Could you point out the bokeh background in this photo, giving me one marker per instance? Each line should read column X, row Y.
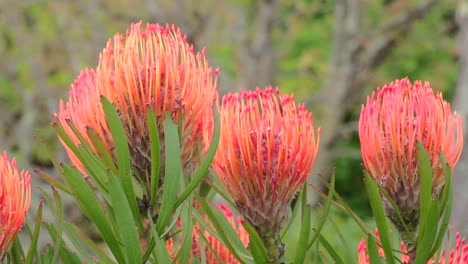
column 330, row 53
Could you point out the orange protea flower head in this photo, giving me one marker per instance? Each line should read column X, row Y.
column 457, row 255
column 153, row 67
column 266, row 151
column 393, row 120
column 216, row 251
column 15, row 197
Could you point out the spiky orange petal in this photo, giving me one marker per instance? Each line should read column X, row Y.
column 15, row 198
column 153, row 67
column 267, row 149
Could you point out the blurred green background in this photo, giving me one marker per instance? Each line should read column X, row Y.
column 330, row 53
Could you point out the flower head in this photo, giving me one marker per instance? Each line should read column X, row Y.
column 15, row 197
column 266, row 151
column 152, row 68
column 457, row 255
column 393, row 120
column 216, row 251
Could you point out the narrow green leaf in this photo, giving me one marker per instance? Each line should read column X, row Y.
column 228, row 231
column 155, row 154
column 173, row 169
column 326, row 210
column 256, row 245
column 69, row 257
column 92, row 208
column 160, row 249
column 331, row 250
column 78, row 238
column 53, row 181
column 425, row 176
column 219, row 228
column 58, row 238
column 102, row 149
column 428, row 234
column 16, row 251
column 49, row 152
column 373, row 251
column 186, row 218
column 33, row 247
column 380, row 218
column 125, row 222
column 123, row 158
column 202, row 171
column 446, row 207
column 305, row 227
column 47, row 255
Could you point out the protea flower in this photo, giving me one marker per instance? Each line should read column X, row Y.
column 15, row 197
column 157, row 68
column 394, row 119
column 216, row 251
column 266, row 151
column 457, row 255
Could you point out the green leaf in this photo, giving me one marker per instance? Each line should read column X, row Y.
column 202, row 171
column 47, row 255
column 33, row 247
column 69, row 257
column 186, row 218
column 256, row 245
column 380, row 218
column 428, row 235
column 125, row 222
column 92, row 208
column 425, row 176
column 229, row 231
column 446, row 208
column 173, row 173
column 53, row 181
column 373, row 251
column 155, row 154
column 123, row 158
column 101, row 148
column 77, row 238
column 16, row 251
column 59, row 216
column 160, row 249
column 329, row 248
column 305, row 227
column 222, row 229
column 326, row 210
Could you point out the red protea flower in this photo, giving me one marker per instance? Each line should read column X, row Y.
column 266, row 151
column 157, row 68
column 15, row 197
column 218, row 252
column 457, row 255
column 394, row 119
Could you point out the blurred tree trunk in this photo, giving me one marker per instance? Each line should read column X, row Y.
column 258, row 65
column 356, row 54
column 460, row 179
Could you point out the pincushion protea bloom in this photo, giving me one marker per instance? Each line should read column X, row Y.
column 216, row 252
column 266, row 151
column 15, row 197
column 157, row 68
column 393, row 120
column 457, row 255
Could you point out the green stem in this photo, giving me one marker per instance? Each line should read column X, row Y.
column 272, row 246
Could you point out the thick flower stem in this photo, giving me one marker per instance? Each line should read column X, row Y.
column 272, row 246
